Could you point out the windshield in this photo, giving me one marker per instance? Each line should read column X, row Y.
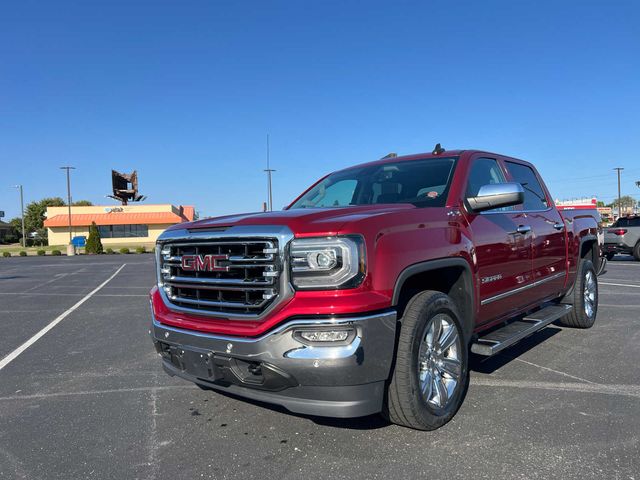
column 424, row 183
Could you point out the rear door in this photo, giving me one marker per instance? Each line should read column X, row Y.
column 503, row 253
column 548, row 236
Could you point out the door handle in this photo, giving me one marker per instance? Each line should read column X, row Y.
column 558, row 226
column 523, row 229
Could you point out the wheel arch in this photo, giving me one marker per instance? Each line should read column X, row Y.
column 454, row 278
column 589, row 249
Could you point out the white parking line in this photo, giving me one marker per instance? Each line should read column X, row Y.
column 56, row 277
column 608, row 279
column 39, row 294
column 614, row 305
column 624, row 390
column 24, row 267
column 38, row 396
column 619, row 284
column 13, row 355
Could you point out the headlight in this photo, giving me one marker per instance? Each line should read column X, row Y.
column 327, row 262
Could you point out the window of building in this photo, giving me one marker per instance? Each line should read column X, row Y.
column 123, row 231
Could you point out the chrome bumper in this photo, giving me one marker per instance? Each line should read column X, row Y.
column 345, row 380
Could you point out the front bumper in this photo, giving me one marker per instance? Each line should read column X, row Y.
column 337, row 381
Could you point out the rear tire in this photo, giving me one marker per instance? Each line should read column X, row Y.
column 609, row 256
column 584, row 298
column 430, row 377
column 636, row 251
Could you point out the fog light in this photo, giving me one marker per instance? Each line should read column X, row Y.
column 341, row 335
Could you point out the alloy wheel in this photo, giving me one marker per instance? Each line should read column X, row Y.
column 440, row 361
column 590, row 292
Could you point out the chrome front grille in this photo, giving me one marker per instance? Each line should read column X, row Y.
column 244, row 280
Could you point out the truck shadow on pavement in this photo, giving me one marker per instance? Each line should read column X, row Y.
column 477, row 363
column 370, row 422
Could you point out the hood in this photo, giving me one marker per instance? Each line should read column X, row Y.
column 301, row 221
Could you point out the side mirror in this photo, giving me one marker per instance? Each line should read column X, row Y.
column 496, row 195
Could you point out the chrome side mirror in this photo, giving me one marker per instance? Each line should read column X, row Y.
column 496, row 195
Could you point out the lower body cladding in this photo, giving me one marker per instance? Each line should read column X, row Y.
column 334, row 367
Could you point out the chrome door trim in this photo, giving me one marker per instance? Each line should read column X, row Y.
column 521, row 289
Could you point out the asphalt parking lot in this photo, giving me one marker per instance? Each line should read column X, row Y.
column 88, row 399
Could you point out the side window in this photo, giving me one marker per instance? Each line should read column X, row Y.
column 485, row 171
column 534, row 196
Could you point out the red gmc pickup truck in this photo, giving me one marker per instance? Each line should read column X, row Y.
column 368, row 292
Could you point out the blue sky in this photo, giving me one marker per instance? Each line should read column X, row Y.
column 187, row 91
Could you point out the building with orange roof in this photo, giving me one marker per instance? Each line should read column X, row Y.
column 138, row 224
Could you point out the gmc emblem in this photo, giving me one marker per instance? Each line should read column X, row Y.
column 203, row 263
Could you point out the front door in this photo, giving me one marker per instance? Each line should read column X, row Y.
column 502, row 247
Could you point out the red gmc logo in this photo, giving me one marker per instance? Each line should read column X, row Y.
column 203, row 263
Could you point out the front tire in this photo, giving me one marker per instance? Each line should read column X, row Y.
column 584, row 298
column 430, row 377
column 636, row 251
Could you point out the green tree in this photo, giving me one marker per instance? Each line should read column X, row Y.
column 34, row 213
column 94, row 244
column 600, row 203
column 82, row 203
column 627, row 201
column 16, row 232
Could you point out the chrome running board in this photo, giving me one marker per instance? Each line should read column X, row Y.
column 497, row 340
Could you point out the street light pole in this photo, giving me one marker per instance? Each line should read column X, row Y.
column 619, row 169
column 269, row 172
column 70, row 249
column 24, row 240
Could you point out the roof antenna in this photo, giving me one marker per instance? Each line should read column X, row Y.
column 389, row 155
column 438, row 149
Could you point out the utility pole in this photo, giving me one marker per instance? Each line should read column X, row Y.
column 269, row 171
column 70, row 248
column 619, row 169
column 24, row 240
